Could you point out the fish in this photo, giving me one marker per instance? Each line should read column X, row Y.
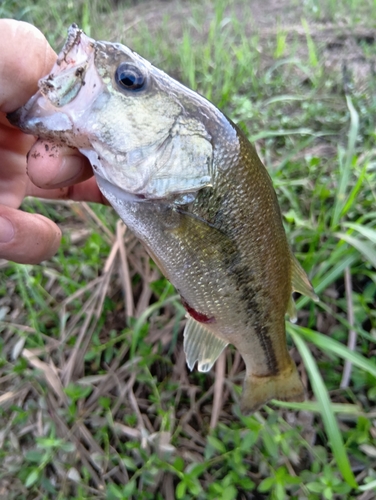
column 188, row 183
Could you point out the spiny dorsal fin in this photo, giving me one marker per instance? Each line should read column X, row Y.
column 299, row 280
column 201, row 345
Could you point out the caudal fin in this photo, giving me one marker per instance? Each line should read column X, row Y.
column 257, row 391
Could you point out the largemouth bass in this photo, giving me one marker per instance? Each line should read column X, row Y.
column 187, row 182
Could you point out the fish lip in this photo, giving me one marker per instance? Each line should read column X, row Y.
column 41, row 124
column 51, row 110
column 17, row 117
column 76, row 37
column 64, row 81
column 73, row 38
column 14, row 117
column 67, row 77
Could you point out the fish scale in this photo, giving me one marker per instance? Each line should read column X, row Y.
column 187, row 182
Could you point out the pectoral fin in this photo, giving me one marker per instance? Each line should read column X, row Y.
column 201, row 345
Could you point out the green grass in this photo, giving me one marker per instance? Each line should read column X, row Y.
column 94, row 404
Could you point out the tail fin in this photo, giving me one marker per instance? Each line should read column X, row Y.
column 285, row 386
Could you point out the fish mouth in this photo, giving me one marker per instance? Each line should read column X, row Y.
column 67, row 78
column 52, row 112
column 39, row 118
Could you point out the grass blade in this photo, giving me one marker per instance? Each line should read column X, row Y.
column 313, row 406
column 327, row 344
column 330, row 273
column 367, row 250
column 144, row 317
column 345, row 164
column 332, row 430
column 312, row 53
column 365, row 231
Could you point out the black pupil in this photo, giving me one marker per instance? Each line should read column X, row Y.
column 129, row 77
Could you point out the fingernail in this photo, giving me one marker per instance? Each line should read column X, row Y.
column 70, row 169
column 6, row 230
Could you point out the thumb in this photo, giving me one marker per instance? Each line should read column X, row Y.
column 26, row 56
column 27, row 238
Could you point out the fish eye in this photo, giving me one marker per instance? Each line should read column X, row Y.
column 129, row 77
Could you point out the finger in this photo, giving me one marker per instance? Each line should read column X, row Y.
column 83, row 191
column 52, row 165
column 12, row 139
column 27, row 238
column 60, row 172
column 13, row 180
column 26, row 56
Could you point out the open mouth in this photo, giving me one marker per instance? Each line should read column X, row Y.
column 64, row 95
column 68, row 75
column 40, row 118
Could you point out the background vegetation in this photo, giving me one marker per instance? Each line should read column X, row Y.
column 96, row 400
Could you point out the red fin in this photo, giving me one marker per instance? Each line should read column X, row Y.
column 201, row 318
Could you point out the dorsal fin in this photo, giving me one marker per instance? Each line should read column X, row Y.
column 201, row 345
column 299, row 280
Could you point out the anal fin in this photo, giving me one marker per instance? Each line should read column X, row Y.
column 291, row 310
column 201, row 345
column 299, row 280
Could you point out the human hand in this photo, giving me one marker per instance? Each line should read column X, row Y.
column 61, row 173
